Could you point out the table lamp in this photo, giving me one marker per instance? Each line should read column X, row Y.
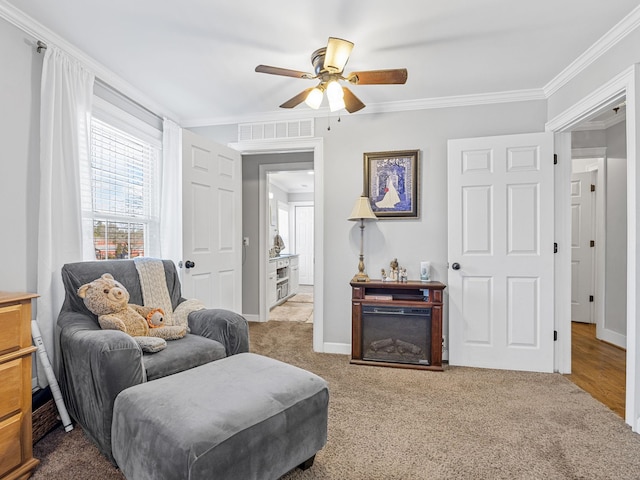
column 362, row 211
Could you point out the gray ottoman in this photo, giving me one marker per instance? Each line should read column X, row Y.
column 239, row 418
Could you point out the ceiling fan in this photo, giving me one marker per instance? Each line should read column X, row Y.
column 328, row 64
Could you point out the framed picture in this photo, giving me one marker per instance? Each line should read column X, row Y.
column 391, row 183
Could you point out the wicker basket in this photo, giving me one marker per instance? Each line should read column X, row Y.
column 44, row 418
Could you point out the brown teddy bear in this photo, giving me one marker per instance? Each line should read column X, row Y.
column 109, row 300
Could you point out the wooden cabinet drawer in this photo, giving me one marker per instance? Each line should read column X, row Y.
column 10, row 443
column 11, row 328
column 11, row 386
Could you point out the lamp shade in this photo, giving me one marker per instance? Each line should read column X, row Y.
column 362, row 210
column 314, row 98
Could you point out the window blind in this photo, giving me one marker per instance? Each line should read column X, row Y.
column 122, row 173
column 124, row 182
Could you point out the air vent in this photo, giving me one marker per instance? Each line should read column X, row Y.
column 275, row 130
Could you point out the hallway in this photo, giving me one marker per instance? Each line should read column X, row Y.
column 598, row 367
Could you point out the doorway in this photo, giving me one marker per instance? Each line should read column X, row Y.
column 290, row 280
column 599, row 256
column 608, row 95
column 315, row 147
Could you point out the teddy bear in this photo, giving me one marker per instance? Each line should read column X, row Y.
column 109, row 300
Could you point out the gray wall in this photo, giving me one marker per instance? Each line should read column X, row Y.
column 19, row 160
column 616, row 230
column 410, row 240
column 620, row 57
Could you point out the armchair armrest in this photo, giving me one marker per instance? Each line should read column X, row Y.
column 95, row 366
column 225, row 326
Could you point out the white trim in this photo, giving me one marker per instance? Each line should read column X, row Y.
column 298, row 145
column 38, row 31
column 601, row 125
column 562, row 261
column 118, row 118
column 251, row 317
column 339, row 348
column 608, row 94
column 589, row 152
column 610, row 39
column 421, row 104
column 625, row 85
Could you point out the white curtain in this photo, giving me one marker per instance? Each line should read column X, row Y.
column 171, row 192
column 65, row 113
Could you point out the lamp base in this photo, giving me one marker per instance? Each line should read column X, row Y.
column 360, row 277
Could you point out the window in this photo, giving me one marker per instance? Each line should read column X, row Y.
column 124, row 192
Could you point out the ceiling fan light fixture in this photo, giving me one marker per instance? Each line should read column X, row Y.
column 336, row 105
column 334, row 91
column 335, row 95
column 337, row 54
column 314, row 98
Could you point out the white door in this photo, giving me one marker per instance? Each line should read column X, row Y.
column 582, row 253
column 304, row 242
column 501, row 252
column 212, row 222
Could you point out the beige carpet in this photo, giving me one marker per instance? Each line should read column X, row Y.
column 388, row 423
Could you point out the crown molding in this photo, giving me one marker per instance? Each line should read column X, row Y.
column 39, row 32
column 603, row 124
column 607, row 95
column 589, row 152
column 387, row 107
column 619, row 31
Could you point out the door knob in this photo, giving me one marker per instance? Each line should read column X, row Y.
column 456, row 266
column 189, row 264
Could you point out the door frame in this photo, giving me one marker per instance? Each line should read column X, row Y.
column 625, row 85
column 314, row 145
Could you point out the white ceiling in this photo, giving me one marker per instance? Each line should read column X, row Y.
column 300, row 181
column 196, row 58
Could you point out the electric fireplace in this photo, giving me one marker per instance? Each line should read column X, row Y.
column 397, row 324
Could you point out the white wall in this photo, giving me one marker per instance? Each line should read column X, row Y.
column 21, row 68
column 410, row 240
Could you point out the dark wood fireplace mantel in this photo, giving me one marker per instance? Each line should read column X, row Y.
column 402, row 295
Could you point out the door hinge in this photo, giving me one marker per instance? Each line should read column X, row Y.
column 593, row 187
column 555, row 335
column 591, row 298
column 555, row 158
column 592, row 243
column 555, row 247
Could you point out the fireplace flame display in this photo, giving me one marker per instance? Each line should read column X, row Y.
column 396, row 334
column 390, row 349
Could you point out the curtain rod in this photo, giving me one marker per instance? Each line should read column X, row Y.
column 43, row 46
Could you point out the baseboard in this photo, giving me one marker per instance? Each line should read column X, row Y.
column 339, row 348
column 251, row 317
column 613, row 338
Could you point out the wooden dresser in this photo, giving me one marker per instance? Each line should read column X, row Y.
column 16, row 452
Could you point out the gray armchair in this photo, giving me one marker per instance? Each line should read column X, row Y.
column 96, row 365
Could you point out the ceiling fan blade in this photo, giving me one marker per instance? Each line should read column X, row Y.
column 337, row 54
column 297, row 100
column 351, row 102
column 378, row 77
column 283, row 71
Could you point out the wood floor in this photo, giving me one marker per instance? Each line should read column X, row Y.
column 598, row 367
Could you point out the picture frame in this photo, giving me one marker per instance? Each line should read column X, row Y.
column 391, row 183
